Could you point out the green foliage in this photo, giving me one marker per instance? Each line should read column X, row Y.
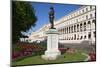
column 23, row 16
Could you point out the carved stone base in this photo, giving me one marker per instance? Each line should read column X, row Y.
column 51, row 55
column 52, row 51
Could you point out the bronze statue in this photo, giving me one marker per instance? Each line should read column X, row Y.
column 51, row 17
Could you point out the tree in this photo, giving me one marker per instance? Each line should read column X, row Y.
column 23, row 17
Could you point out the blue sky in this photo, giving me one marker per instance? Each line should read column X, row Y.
column 42, row 10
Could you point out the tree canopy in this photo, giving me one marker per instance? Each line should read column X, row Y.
column 23, row 17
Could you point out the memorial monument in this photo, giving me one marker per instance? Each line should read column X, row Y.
column 52, row 51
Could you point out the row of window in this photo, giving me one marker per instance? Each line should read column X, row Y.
column 76, row 28
column 80, row 12
column 81, row 37
column 85, row 17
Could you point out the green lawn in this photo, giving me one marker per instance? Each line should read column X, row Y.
column 66, row 57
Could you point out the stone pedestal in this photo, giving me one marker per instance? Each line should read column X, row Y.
column 52, row 51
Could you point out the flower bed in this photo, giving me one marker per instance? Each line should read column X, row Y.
column 26, row 50
column 63, row 50
column 92, row 56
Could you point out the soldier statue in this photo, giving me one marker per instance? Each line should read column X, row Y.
column 51, row 17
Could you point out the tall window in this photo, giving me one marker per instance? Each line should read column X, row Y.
column 77, row 37
column 81, row 37
column 89, row 35
column 69, row 29
column 81, row 27
column 94, row 34
column 74, row 28
column 63, row 31
column 95, row 14
column 77, row 27
column 60, row 31
column 84, row 26
column 90, row 15
column 85, row 37
column 83, row 10
column 90, row 7
column 89, row 24
column 86, row 16
column 74, row 36
column 94, row 21
column 86, row 9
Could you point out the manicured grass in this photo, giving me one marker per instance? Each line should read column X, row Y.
column 66, row 57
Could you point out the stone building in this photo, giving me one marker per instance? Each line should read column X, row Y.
column 76, row 27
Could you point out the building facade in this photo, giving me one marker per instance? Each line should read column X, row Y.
column 76, row 27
